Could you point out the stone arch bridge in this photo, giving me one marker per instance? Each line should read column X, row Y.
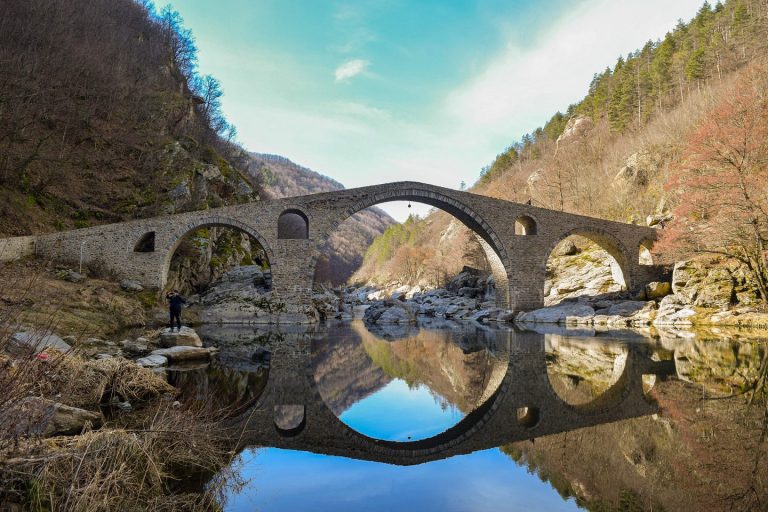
column 517, row 238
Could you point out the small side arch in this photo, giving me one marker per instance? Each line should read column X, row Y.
column 146, row 243
column 227, row 222
column 293, row 224
column 289, row 420
column 528, row 416
column 526, row 225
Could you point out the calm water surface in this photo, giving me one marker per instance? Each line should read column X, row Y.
column 459, row 416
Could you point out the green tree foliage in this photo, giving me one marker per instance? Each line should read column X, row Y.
column 395, row 236
column 503, row 161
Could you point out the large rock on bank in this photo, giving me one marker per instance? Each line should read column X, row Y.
column 712, row 283
column 261, row 309
column 572, row 312
column 243, row 282
column 241, row 297
column 180, row 354
column 36, row 342
column 42, row 417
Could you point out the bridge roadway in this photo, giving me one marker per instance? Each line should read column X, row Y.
column 517, row 238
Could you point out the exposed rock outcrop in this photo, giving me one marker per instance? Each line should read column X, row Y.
column 36, row 342
column 577, row 127
column 241, row 296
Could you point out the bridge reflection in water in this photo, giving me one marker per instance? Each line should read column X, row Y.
column 506, row 393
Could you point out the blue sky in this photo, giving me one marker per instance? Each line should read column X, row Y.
column 371, row 91
column 482, row 481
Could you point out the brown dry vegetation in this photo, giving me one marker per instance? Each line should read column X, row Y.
column 700, row 454
column 101, row 113
column 34, row 295
column 156, row 457
column 427, row 252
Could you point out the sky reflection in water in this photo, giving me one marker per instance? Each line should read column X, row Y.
column 661, row 451
column 394, row 410
column 482, row 481
column 399, row 413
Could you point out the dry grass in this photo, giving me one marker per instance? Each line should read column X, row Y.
column 32, row 294
column 162, row 466
column 161, row 456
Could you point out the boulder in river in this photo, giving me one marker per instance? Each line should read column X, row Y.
column 184, row 337
column 568, row 312
column 389, row 312
column 152, row 361
column 182, row 353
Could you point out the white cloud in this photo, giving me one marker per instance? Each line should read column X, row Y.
column 522, row 85
column 350, row 69
column 519, row 87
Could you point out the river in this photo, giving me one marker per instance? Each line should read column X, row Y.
column 462, row 416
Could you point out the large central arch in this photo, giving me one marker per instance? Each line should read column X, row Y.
column 489, row 239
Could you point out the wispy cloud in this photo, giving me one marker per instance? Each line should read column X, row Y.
column 522, row 85
column 350, row 69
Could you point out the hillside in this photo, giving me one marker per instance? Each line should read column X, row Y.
column 618, row 153
column 104, row 117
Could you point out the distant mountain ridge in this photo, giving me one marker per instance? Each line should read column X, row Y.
column 280, row 177
column 292, row 179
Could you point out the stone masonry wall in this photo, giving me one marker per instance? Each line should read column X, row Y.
column 18, row 247
column 520, row 266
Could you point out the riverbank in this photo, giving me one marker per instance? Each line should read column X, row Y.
column 96, row 399
column 82, row 426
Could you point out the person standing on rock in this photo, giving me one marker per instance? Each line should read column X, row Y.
column 175, row 300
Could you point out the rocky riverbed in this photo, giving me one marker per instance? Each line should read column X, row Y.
column 583, row 288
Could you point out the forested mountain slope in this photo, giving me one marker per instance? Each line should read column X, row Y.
column 104, row 117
